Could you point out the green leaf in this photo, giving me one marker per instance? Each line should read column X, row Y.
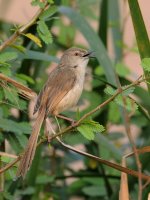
column 22, row 140
column 99, row 71
column 76, row 138
column 44, row 32
column 50, row 1
column 15, row 127
column 5, row 70
column 129, row 103
column 103, row 21
column 4, row 64
column 43, row 28
column 48, row 13
column 127, row 91
column 113, row 108
column 116, row 30
column 34, row 38
column 13, row 143
column 94, row 191
column 28, row 191
column 11, row 94
column 95, row 126
column 88, row 128
column 109, row 90
column 11, row 174
column 38, row 3
column 25, row 127
column 146, row 64
column 6, row 159
column 76, row 186
column 140, row 29
column 8, row 56
column 44, row 179
column 1, row 99
column 19, row 48
column 86, row 132
column 5, row 109
column 6, row 195
column 35, row 55
column 22, row 104
column 26, row 78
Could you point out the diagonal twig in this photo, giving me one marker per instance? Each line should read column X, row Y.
column 105, row 162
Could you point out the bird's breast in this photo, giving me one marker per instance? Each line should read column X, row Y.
column 72, row 97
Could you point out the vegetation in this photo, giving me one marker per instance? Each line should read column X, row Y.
column 88, row 161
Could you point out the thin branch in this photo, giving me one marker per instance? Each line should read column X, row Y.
column 8, row 166
column 146, row 184
column 126, row 118
column 142, row 150
column 7, row 155
column 22, row 29
column 138, row 163
column 110, row 164
column 129, row 171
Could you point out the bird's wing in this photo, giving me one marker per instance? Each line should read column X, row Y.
column 60, row 82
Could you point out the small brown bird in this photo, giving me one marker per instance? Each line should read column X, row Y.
column 61, row 92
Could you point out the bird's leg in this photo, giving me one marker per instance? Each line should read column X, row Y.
column 48, row 129
column 67, row 118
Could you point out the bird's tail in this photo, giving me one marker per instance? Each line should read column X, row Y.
column 29, row 153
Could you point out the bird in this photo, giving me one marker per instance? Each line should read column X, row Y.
column 61, row 92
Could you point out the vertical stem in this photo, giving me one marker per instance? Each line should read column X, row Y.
column 138, row 163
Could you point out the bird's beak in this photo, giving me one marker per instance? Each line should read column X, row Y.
column 89, row 54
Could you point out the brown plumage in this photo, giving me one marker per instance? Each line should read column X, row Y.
column 61, row 91
column 61, row 80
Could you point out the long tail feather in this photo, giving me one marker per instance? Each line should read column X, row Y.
column 29, row 153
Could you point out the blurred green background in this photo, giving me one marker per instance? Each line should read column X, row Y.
column 105, row 27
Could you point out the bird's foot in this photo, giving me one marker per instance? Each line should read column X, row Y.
column 73, row 123
column 66, row 118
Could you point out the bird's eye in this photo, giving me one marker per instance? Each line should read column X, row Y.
column 76, row 54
